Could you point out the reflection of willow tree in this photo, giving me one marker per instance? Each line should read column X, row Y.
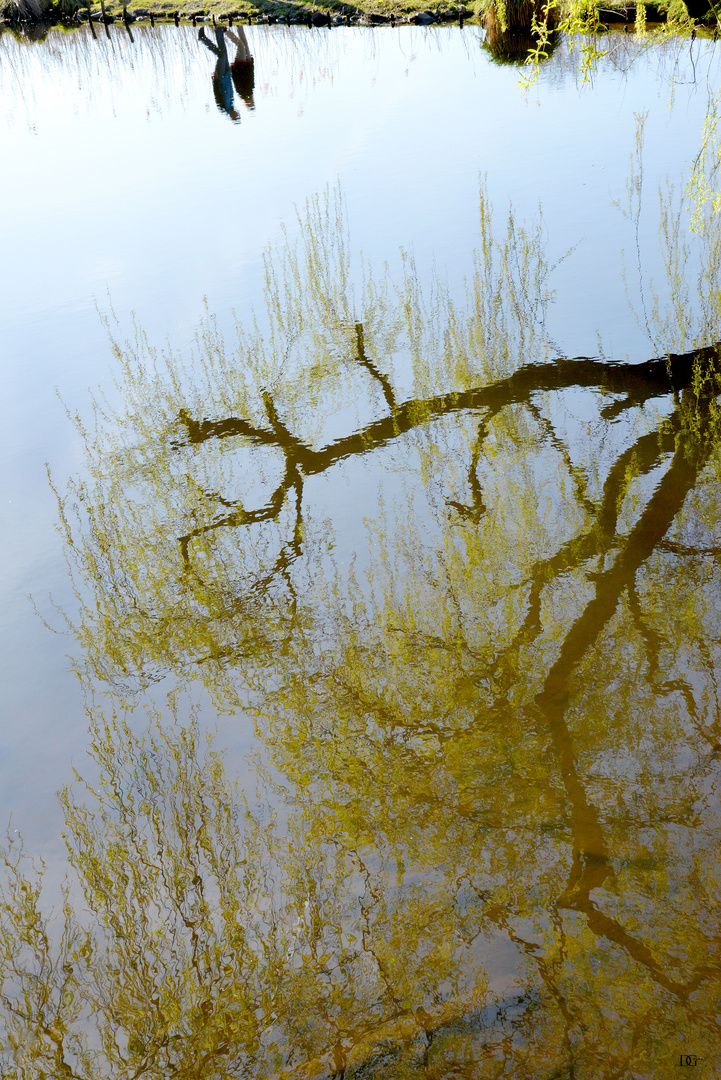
column 214, row 948
column 556, row 755
column 509, row 724
column 218, row 455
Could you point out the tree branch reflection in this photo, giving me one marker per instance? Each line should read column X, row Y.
column 493, row 720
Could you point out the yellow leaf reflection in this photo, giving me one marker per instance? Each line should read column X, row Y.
column 210, row 945
column 491, row 719
column 207, row 449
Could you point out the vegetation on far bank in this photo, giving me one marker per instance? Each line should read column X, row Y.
column 678, row 15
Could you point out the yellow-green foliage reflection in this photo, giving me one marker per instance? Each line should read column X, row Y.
column 214, row 449
column 493, row 723
column 210, row 945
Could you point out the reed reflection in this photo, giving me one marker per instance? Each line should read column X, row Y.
column 494, row 720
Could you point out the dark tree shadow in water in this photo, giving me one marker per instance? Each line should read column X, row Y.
column 513, row 34
column 515, row 46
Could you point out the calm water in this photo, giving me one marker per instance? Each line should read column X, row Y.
column 335, row 432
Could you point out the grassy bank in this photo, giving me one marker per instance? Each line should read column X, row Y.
column 294, row 12
column 320, row 12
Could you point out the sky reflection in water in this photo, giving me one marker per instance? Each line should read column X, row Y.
column 456, row 590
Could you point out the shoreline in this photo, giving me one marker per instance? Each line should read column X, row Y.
column 69, row 15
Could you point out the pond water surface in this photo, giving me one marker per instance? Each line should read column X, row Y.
column 360, row 578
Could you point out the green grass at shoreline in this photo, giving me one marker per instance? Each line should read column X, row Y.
column 303, row 12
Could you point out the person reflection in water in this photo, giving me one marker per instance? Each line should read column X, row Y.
column 240, row 72
column 242, row 68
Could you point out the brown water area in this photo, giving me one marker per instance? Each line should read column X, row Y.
column 463, row 588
